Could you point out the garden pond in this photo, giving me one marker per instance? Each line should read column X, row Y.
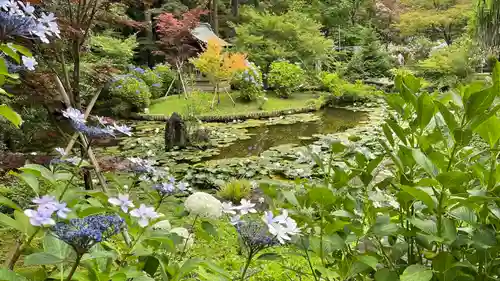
column 269, row 149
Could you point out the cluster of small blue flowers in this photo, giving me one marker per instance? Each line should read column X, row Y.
column 19, row 19
column 102, row 130
column 137, row 69
column 252, row 75
column 83, row 233
column 146, row 169
column 170, row 187
column 255, row 235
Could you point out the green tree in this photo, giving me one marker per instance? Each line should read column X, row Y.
column 487, row 24
column 371, row 61
column 293, row 36
column 444, row 19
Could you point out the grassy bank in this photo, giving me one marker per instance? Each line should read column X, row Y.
column 201, row 103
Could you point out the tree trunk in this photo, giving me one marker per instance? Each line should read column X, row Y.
column 149, row 32
column 235, row 9
column 215, row 16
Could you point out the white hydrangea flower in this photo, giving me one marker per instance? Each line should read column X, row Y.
column 204, row 205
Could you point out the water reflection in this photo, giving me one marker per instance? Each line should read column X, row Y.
column 262, row 138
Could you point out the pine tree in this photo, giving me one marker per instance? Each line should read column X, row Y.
column 371, row 61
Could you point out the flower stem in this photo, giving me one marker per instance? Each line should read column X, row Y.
column 19, row 249
column 247, row 265
column 189, row 236
column 75, row 266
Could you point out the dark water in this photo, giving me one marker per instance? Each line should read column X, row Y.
column 264, row 137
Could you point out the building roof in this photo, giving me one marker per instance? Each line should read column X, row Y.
column 204, row 32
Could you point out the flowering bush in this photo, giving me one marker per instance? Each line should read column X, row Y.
column 18, row 21
column 126, row 93
column 167, row 75
column 151, row 78
column 286, row 78
column 249, row 82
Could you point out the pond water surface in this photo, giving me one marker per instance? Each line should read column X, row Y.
column 262, row 138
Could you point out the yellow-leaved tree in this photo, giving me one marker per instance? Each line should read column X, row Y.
column 219, row 65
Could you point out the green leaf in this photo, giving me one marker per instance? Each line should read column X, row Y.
column 449, row 230
column 10, row 222
column 465, row 214
column 10, row 114
column 39, row 170
column 3, row 92
column 321, row 196
column 479, row 102
column 143, row 278
column 56, row 247
column 23, row 50
column 9, row 275
column 290, row 197
column 448, row 117
column 11, row 53
column 398, row 130
column 92, row 211
column 462, row 137
column 337, row 146
column 3, row 67
column 385, row 229
column 425, row 110
column 385, row 274
column 7, row 202
column 31, row 180
column 490, row 130
column 427, row 226
column 209, row 228
column 368, row 260
column 424, row 162
column 269, row 257
column 420, row 195
column 42, row 258
column 416, row 273
column 455, row 181
column 388, row 134
column 442, row 264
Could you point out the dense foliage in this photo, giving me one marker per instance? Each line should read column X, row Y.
column 285, row 78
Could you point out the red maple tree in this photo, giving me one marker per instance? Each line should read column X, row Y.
column 176, row 41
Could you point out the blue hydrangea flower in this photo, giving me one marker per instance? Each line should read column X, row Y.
column 255, row 235
column 12, row 25
column 156, row 85
column 83, row 233
column 164, row 188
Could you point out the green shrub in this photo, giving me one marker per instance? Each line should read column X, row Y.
column 371, row 61
column 235, row 190
column 167, row 75
column 249, row 83
column 126, row 93
column 285, row 78
column 452, row 64
column 152, row 79
column 331, row 82
column 340, row 87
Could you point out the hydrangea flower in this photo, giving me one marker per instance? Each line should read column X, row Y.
column 29, row 62
column 123, row 201
column 124, row 129
column 246, row 207
column 255, row 236
column 144, row 214
column 164, row 188
column 282, row 226
column 83, row 233
column 45, row 200
column 61, row 151
column 74, row 115
column 42, row 216
column 228, row 208
column 204, row 205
